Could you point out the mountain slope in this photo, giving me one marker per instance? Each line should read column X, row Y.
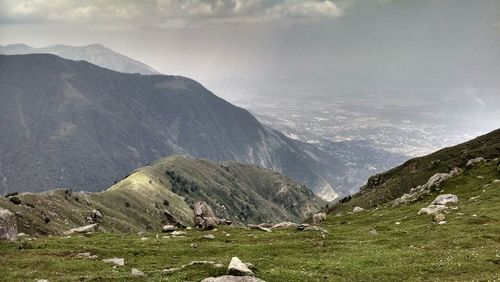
column 73, row 124
column 95, row 53
column 387, row 186
column 240, row 193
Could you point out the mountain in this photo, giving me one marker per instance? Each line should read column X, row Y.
column 74, row 124
column 241, row 193
column 95, row 53
column 387, row 186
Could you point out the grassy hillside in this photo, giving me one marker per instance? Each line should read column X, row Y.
column 389, row 185
column 380, row 244
column 241, row 193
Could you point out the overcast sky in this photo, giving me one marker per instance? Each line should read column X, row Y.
column 283, row 46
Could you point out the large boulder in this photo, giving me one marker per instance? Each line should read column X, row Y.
column 204, row 217
column 472, row 162
column 432, row 209
column 8, row 225
column 238, row 268
column 319, row 218
column 445, row 199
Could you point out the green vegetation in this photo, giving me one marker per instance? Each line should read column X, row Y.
column 240, row 193
column 365, row 246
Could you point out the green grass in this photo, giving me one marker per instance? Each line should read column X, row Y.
column 466, row 248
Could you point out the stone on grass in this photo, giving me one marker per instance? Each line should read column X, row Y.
column 259, row 227
column 8, row 225
column 204, row 217
column 314, row 228
column 474, row 161
column 168, row 228
column 83, row 229
column 432, row 209
column 137, row 273
column 357, row 209
column 319, row 218
column 208, row 236
column 285, row 225
column 178, row 233
column 231, row 278
column 115, row 261
column 439, row 217
column 238, row 268
column 445, row 199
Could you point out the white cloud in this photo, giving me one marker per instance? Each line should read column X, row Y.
column 166, row 13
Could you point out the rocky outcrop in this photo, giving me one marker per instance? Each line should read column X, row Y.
column 319, row 218
column 357, row 209
column 439, row 204
column 474, row 161
column 8, row 225
column 204, row 217
column 420, row 191
column 285, row 225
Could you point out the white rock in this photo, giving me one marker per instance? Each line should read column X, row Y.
column 285, row 225
column 83, row 229
column 432, row 209
column 357, row 209
column 137, row 273
column 231, row 278
column 319, row 218
column 445, row 199
column 115, row 261
column 168, row 228
column 178, row 233
column 475, row 161
column 238, row 268
column 208, row 236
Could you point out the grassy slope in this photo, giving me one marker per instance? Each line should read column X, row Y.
column 466, row 248
column 393, row 183
column 249, row 193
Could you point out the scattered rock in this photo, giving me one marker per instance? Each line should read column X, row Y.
column 432, row 209
column 203, row 262
column 319, row 218
column 259, row 227
column 8, row 225
column 231, row 278
column 439, row 217
column 357, row 209
column 314, row 228
column 285, row 225
column 238, row 268
column 224, row 221
column 168, row 228
column 204, row 217
column 374, row 232
column 115, row 261
column 178, row 233
column 302, row 226
column 83, row 229
column 445, row 199
column 86, row 255
column 472, row 162
column 208, row 236
column 137, row 273
column 42, row 280
column 474, row 198
column 95, row 216
column 418, row 192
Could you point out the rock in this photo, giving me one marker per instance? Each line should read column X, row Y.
column 319, row 218
column 8, row 225
column 225, row 221
column 231, row 278
column 285, row 225
column 208, row 236
column 204, row 217
column 418, row 192
column 314, row 228
column 42, row 280
column 115, row 261
column 168, row 228
column 472, row 162
column 137, row 273
column 95, row 216
column 357, row 209
column 86, row 255
column 258, row 227
column 83, row 229
column 238, row 268
column 445, row 199
column 178, row 233
column 302, row 226
column 439, row 217
column 432, row 209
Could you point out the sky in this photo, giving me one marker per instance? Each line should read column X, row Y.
column 425, row 48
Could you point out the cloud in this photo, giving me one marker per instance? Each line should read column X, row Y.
column 166, row 13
